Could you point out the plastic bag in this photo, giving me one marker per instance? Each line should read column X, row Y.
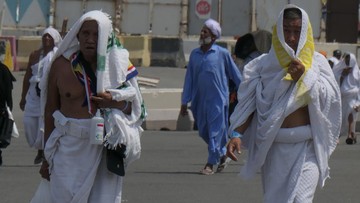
column 42, row 194
column 6, row 128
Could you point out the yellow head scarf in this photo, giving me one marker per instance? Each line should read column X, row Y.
column 305, row 49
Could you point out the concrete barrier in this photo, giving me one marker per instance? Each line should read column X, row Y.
column 163, row 107
column 26, row 45
column 139, row 49
column 188, row 45
column 167, row 52
column 146, row 51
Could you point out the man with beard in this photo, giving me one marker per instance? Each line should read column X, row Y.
column 206, row 86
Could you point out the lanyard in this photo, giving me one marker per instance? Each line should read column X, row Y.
column 87, row 90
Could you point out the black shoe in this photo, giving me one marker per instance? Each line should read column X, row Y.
column 349, row 141
column 38, row 159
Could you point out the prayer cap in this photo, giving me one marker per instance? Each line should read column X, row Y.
column 214, row 26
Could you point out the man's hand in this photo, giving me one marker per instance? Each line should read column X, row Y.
column 357, row 108
column 103, row 100
column 44, row 170
column 22, row 104
column 234, row 144
column 346, row 71
column 296, row 69
column 183, row 110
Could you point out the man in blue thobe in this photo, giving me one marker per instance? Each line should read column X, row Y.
column 206, row 86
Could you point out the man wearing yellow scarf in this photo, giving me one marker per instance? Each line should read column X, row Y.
column 288, row 114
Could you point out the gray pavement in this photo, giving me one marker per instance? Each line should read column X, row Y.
column 167, row 171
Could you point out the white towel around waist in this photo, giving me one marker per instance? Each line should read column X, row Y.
column 74, row 127
column 294, row 135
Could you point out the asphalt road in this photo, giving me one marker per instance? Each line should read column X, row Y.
column 168, row 170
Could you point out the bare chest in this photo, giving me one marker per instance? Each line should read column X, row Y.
column 70, row 88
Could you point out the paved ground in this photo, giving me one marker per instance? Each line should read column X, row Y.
column 168, row 169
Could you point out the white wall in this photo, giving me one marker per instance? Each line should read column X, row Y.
column 267, row 12
column 163, row 17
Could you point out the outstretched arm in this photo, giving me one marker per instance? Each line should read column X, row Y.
column 235, row 139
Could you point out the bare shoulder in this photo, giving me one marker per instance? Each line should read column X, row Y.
column 36, row 53
column 34, row 57
column 59, row 67
column 60, row 64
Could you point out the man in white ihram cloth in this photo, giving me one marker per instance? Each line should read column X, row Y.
column 30, row 101
column 288, row 115
column 347, row 75
column 90, row 71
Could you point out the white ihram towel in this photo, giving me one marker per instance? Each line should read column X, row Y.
column 350, row 91
column 113, row 71
column 266, row 91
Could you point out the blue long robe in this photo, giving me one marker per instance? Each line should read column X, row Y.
column 206, row 86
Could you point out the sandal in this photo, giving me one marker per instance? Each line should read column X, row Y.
column 38, row 159
column 207, row 171
column 224, row 162
column 351, row 139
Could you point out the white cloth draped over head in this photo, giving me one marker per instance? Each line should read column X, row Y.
column 265, row 92
column 107, row 78
column 214, row 26
column 350, row 90
column 113, row 71
column 351, row 81
column 54, row 34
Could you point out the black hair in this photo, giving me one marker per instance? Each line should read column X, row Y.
column 292, row 13
column 244, row 46
column 337, row 53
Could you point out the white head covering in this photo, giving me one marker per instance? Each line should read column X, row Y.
column 351, row 81
column 214, row 26
column 54, row 34
column 284, row 53
column 304, row 30
column 108, row 55
column 71, row 44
